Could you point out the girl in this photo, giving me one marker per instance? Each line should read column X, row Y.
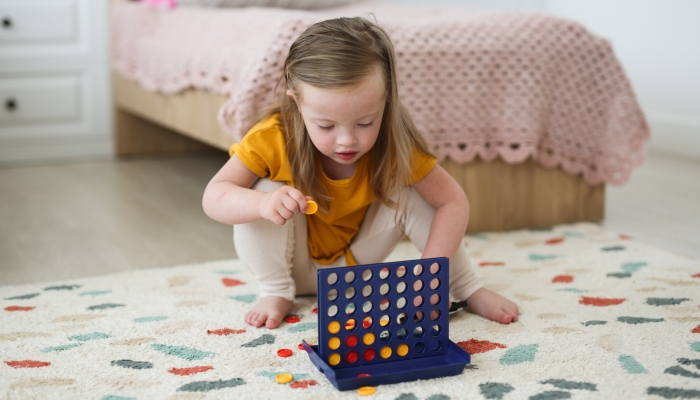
column 340, row 136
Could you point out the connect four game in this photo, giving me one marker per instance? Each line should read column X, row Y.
column 385, row 323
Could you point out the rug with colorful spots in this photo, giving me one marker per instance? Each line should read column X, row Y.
column 602, row 317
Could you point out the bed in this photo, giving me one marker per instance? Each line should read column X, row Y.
column 531, row 114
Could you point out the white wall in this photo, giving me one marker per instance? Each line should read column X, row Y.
column 658, row 44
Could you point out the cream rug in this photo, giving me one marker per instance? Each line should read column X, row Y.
column 602, row 317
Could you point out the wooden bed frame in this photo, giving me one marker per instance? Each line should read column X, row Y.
column 502, row 196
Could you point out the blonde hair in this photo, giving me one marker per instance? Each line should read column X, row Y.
column 339, row 53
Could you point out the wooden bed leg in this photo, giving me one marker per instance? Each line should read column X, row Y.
column 137, row 136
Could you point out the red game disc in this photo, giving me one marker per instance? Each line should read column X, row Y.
column 351, row 341
column 292, row 319
column 351, row 357
column 284, row 352
column 301, row 346
column 363, row 375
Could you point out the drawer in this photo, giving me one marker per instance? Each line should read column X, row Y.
column 27, row 22
column 40, row 100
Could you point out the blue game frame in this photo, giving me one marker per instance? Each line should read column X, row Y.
column 400, row 306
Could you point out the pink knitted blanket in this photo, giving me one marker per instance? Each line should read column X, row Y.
column 489, row 84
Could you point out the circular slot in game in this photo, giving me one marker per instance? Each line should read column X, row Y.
column 332, row 279
column 350, row 309
column 367, row 306
column 401, row 302
column 384, row 320
column 418, row 301
column 418, row 317
column 385, row 336
column 332, row 295
column 401, row 318
column 401, row 287
column 434, row 299
column 435, row 345
column 368, row 339
column 349, row 293
column 350, row 324
column 351, row 357
column 435, row 330
column 402, row 350
column 333, row 343
column 418, row 332
column 385, row 352
column 368, row 354
column 384, row 273
column 418, row 285
column 418, row 270
column 332, row 311
column 401, row 334
column 351, row 341
column 334, row 327
column 384, row 289
column 434, row 283
column 401, row 271
column 434, row 315
column 384, row 304
column 367, row 322
column 434, row 268
column 367, row 275
column 350, row 277
column 367, row 291
column 419, row 347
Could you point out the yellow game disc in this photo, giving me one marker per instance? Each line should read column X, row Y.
column 313, row 207
column 334, row 327
column 334, row 343
column 334, row 359
column 366, row 390
column 368, row 339
column 402, row 350
column 284, row 378
column 385, row 352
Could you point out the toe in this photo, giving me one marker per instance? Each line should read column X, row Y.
column 259, row 320
column 272, row 323
column 504, row 318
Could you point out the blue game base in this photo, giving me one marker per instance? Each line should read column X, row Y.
column 449, row 364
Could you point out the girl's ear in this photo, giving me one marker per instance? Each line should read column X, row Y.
column 291, row 95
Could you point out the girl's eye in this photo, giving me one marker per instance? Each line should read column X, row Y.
column 326, row 128
column 367, row 125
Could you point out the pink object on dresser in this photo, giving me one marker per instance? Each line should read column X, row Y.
column 167, row 4
column 490, row 84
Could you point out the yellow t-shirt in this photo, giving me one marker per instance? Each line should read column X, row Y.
column 262, row 150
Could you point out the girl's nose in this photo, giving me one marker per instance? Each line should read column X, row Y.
column 346, row 137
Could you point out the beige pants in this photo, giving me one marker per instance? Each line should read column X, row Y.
column 279, row 257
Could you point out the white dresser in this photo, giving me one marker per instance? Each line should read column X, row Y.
column 55, row 97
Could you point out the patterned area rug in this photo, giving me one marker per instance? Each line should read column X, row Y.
column 602, row 317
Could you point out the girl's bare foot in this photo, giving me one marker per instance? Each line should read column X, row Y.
column 268, row 311
column 492, row 306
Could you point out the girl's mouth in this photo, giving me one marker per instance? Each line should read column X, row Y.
column 347, row 155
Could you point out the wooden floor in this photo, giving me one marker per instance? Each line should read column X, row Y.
column 64, row 221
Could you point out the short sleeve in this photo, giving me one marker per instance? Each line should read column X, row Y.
column 263, row 151
column 422, row 164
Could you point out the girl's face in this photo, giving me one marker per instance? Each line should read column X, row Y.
column 343, row 123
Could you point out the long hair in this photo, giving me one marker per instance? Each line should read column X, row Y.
column 340, row 53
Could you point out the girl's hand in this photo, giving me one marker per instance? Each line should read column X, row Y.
column 282, row 204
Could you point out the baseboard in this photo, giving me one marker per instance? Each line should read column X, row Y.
column 675, row 137
column 11, row 156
